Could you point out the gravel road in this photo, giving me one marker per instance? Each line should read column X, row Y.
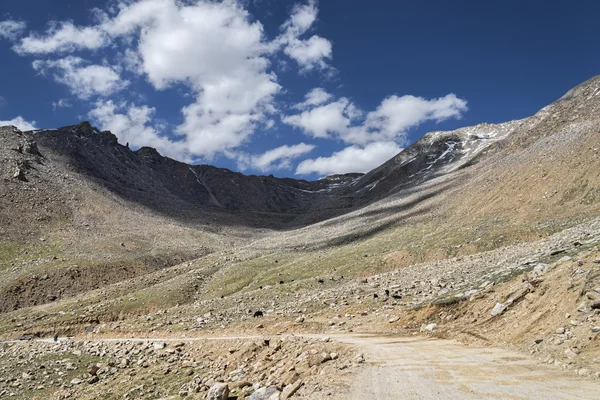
column 424, row 369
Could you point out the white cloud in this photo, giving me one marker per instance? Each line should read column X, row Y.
column 350, row 159
column 308, row 53
column 20, row 123
column 278, row 158
column 61, row 103
column 84, row 80
column 396, row 115
column 134, row 125
column 324, row 121
column 218, row 53
column 11, row 29
column 389, row 122
column 313, row 98
column 62, row 37
column 301, row 19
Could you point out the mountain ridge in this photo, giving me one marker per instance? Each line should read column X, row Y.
column 477, row 188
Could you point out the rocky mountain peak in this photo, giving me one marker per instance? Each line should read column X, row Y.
column 585, row 90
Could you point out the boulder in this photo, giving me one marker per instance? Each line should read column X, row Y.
column 219, row 391
column 266, row 393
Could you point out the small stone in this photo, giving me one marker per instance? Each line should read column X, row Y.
column 583, row 307
column 219, row 391
column 499, row 308
column 93, row 379
column 595, row 304
column 290, row 390
column 394, row 319
column 93, row 369
column 76, row 381
column 430, row 327
column 596, row 329
column 300, row 319
column 592, row 296
column 583, row 372
column 560, row 331
column 159, row 345
column 570, row 354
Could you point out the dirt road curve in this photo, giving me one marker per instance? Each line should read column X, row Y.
column 421, row 368
column 431, row 369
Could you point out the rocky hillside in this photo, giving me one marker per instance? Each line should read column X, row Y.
column 81, row 212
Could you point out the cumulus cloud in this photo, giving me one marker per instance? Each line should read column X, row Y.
column 350, row 159
column 134, row 125
column 11, row 29
column 277, row 158
column 313, row 98
column 62, row 37
column 396, row 115
column 309, row 53
column 83, row 80
column 20, row 123
column 389, row 122
column 324, row 121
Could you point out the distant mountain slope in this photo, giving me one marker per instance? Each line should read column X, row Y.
column 85, row 211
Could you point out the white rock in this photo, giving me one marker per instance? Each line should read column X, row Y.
column 583, row 307
column 219, row 391
column 498, row 309
column 265, row 393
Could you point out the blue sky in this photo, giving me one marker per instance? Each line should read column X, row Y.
column 302, row 89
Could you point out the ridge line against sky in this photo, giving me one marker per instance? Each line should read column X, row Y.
column 219, row 82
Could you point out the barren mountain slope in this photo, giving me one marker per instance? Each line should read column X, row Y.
column 115, row 218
